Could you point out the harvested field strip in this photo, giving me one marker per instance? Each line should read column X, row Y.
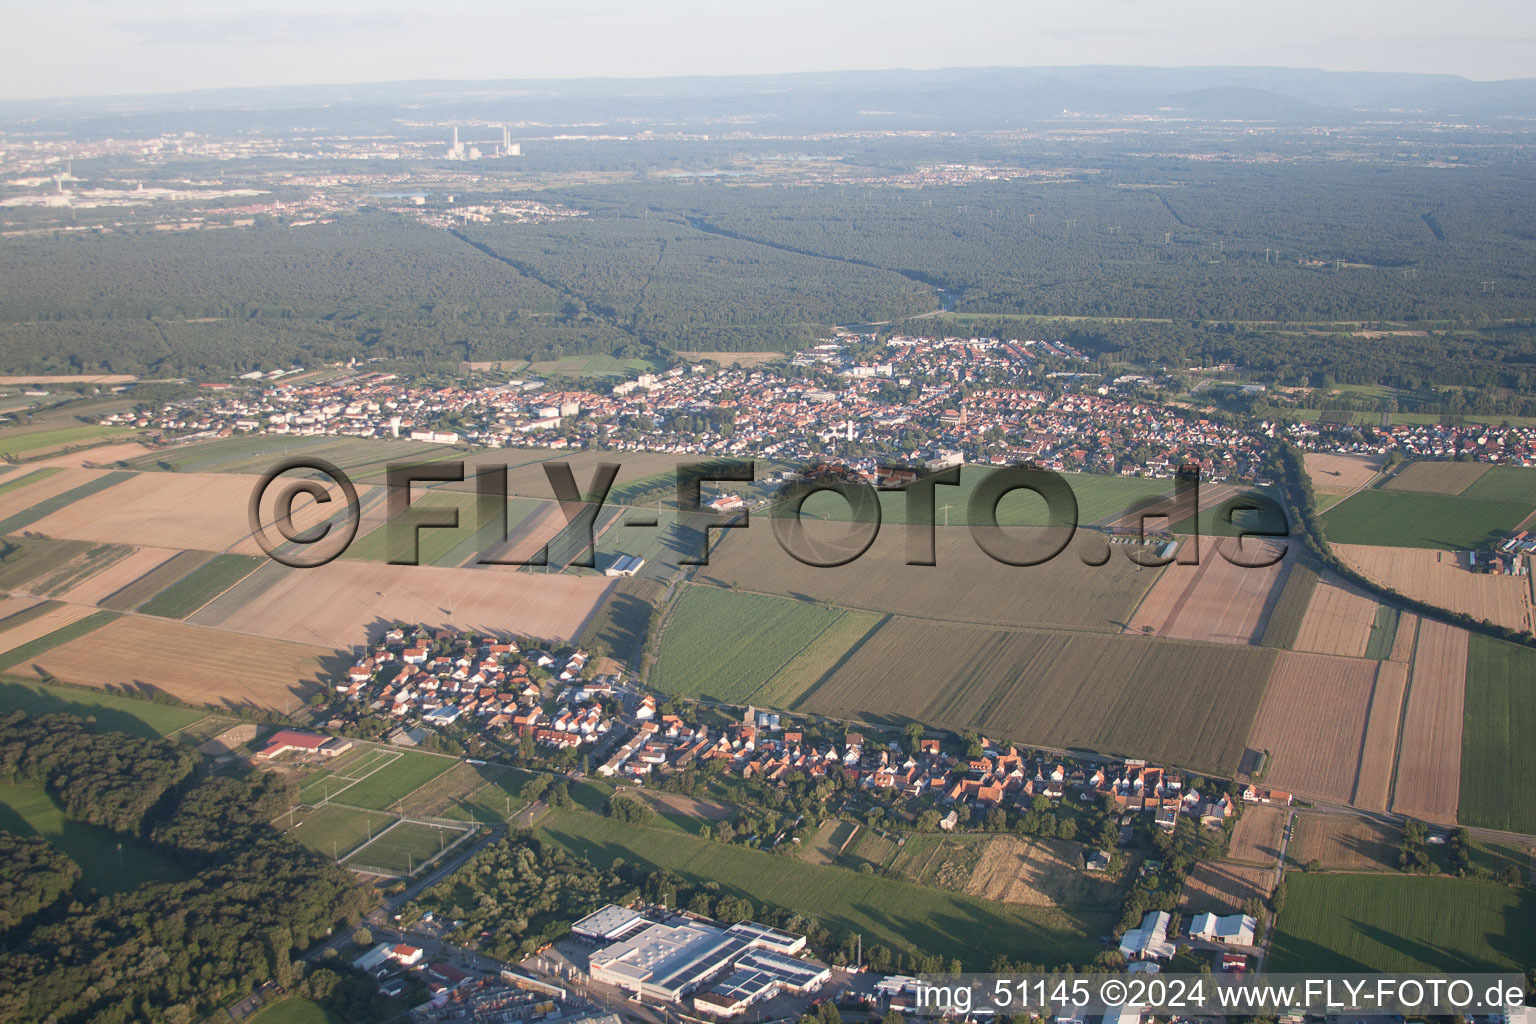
column 1218, row 887
column 1341, row 472
column 1378, row 751
column 1437, row 477
column 1405, row 637
column 1187, row 703
column 109, row 580
column 206, row 512
column 1290, row 609
column 199, row 666
column 1312, row 722
column 43, row 509
column 157, row 579
column 1498, row 755
column 16, row 611
column 1430, row 748
column 23, row 480
column 82, row 564
column 1338, row 621
column 63, row 624
column 1344, row 843
column 894, row 913
column 200, row 586
column 38, row 486
column 1402, row 923
column 1445, row 579
column 1214, row 600
column 1256, row 838
column 25, row 559
column 1039, row 873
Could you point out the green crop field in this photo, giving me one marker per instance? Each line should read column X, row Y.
column 1375, row 922
column 441, row 546
column 1504, row 483
column 724, row 645
column 1176, row 701
column 41, row 440
column 395, row 781
column 406, row 846
column 1291, row 607
column 109, row 861
column 1498, row 737
column 336, row 831
column 112, row 713
column 898, row 914
column 819, row 657
column 1405, row 519
column 202, row 585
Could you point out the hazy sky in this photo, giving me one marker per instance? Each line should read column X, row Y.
column 86, row 47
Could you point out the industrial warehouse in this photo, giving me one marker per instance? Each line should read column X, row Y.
column 725, row 969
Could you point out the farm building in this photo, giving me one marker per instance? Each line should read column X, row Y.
column 1148, row 940
column 624, row 565
column 1233, row 929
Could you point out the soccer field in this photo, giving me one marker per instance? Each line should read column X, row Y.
column 406, row 846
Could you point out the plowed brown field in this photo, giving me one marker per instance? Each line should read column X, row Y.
column 1256, row 837
column 1312, row 722
column 1378, row 753
column 1215, row 600
column 118, row 575
column 1429, row 765
column 1338, row 621
column 1340, row 474
column 1442, row 578
column 1218, row 887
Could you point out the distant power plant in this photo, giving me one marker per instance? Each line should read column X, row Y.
column 459, row 151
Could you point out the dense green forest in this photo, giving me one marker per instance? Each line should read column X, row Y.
column 1164, row 262
column 166, row 951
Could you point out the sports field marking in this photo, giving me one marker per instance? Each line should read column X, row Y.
column 377, row 761
column 407, row 846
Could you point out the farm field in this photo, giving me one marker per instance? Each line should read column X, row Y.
column 732, row 358
column 105, row 582
column 1403, row 519
column 897, row 914
column 15, row 481
column 111, row 712
column 197, row 665
column 1405, row 638
column 724, row 645
column 1498, row 758
column 109, row 454
column 135, row 593
column 39, row 441
column 600, row 365
column 1166, row 700
column 1290, row 608
column 206, row 511
column 1436, row 477
column 29, row 561
column 1040, row 873
column 819, row 657
column 294, row 1010
column 1378, row 749
column 37, row 627
column 965, row 585
column 1312, row 721
column 21, row 508
column 1442, row 578
column 1339, row 620
column 1371, row 922
column 1341, row 473
column 1219, row 887
column 335, row 831
column 1505, row 483
column 254, row 455
column 109, row 862
column 342, row 603
column 447, row 547
column 1340, row 843
column 1214, row 600
column 200, row 586
column 1256, row 837
column 1429, row 760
